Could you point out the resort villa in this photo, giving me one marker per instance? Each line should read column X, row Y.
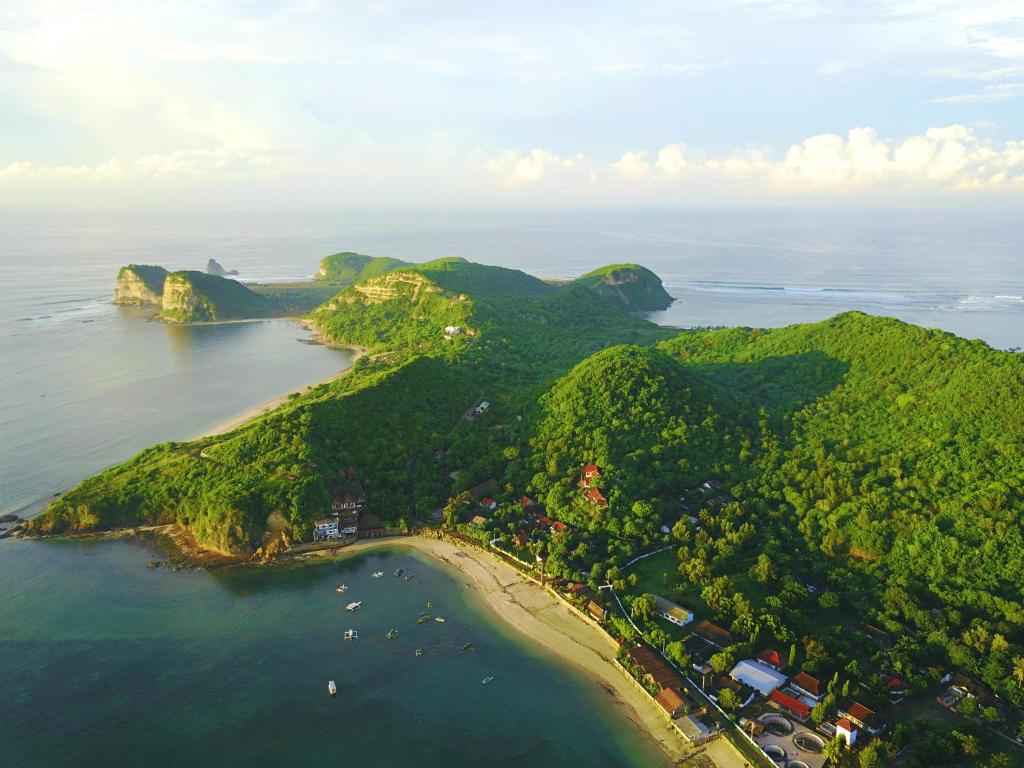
column 672, row 612
column 326, row 529
column 807, row 686
column 590, row 475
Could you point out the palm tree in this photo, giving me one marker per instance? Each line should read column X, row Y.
column 833, row 751
column 1018, row 670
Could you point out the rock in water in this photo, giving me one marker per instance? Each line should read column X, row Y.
column 213, row 267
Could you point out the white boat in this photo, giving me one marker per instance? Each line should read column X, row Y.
column 378, row 574
column 332, row 688
column 351, row 634
column 341, row 590
column 438, row 618
column 353, row 606
column 486, row 680
column 398, row 572
column 391, row 635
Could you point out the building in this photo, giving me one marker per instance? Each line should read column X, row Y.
column 348, row 522
column 478, row 521
column 344, row 503
column 370, row 527
column 597, row 611
column 488, row 503
column 807, row 686
column 594, row 496
column 795, row 707
column 846, row 731
column 590, row 475
column 482, row 489
column 526, row 501
column 713, row 633
column 451, row 331
column 521, row 539
column 653, row 669
column 672, row 612
column 862, row 717
column 761, row 678
column 770, row 657
column 326, row 529
column 672, row 702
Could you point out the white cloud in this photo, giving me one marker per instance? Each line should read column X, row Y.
column 532, row 168
column 943, row 159
column 839, row 67
column 987, row 95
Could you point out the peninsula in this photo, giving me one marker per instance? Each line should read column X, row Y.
column 821, row 521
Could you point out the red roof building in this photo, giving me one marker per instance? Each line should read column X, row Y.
column 558, row 527
column 670, row 700
column 591, row 473
column 526, row 500
column 594, row 496
column 488, row 503
column 808, row 685
column 793, row 706
column 770, row 657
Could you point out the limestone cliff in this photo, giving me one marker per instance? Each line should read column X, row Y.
column 140, row 285
column 636, row 288
column 190, row 296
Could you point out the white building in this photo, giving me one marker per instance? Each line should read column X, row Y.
column 672, row 612
column 451, row 331
column 758, row 676
column 326, row 528
column 846, row 731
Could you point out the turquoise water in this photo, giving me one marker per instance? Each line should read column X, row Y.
column 105, row 662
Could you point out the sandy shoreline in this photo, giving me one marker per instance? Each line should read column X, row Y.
column 534, row 612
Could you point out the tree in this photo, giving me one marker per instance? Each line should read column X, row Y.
column 1018, row 670
column 721, row 661
column 454, row 507
column 644, row 607
column 873, row 755
column 833, row 751
column 728, row 700
column 677, row 652
column 968, row 706
column 990, row 715
column 969, row 743
column 762, row 571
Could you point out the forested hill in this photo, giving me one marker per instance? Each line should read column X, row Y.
column 348, row 267
column 883, row 460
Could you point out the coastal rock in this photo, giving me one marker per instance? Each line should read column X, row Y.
column 213, row 267
column 190, row 296
column 635, row 287
column 140, row 285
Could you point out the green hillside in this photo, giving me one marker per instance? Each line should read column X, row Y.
column 190, row 296
column 635, row 287
column 348, row 267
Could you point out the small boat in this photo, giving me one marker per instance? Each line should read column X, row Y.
column 467, row 647
column 351, row 634
column 438, row 618
column 392, row 634
column 398, row 572
column 378, row 574
column 486, row 680
column 408, row 577
column 332, row 688
column 424, row 618
column 353, row 606
column 341, row 590
column 419, row 651
column 430, row 605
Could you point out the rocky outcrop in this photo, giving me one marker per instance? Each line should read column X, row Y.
column 213, row 267
column 190, row 296
column 635, row 287
column 140, row 285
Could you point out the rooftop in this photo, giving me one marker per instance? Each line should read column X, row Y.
column 758, row 676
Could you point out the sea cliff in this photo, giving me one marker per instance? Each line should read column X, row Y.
column 140, row 285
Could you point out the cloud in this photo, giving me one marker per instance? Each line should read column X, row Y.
column 186, row 162
column 948, row 159
column 532, row 168
column 987, row 95
column 839, row 67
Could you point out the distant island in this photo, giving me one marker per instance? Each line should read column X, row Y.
column 840, row 500
column 213, row 267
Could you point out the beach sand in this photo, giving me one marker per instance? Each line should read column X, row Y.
column 536, row 613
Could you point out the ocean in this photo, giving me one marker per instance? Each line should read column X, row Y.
column 106, row 662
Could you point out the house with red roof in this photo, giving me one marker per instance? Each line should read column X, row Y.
column 770, row 657
column 671, row 701
column 793, row 706
column 807, row 686
column 594, row 496
column 590, row 474
column 862, row 717
column 488, row 503
column 846, row 731
column 526, row 501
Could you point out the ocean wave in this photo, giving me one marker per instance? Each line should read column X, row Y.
column 88, row 310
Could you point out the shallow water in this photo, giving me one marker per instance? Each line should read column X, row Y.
column 106, row 662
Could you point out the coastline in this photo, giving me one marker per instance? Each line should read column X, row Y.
column 532, row 611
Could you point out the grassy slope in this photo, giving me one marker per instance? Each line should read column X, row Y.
column 215, row 298
column 635, row 287
column 350, row 267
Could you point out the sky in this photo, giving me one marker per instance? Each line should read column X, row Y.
column 283, row 103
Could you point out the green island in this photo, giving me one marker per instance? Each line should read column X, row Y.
column 839, row 502
column 189, row 296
